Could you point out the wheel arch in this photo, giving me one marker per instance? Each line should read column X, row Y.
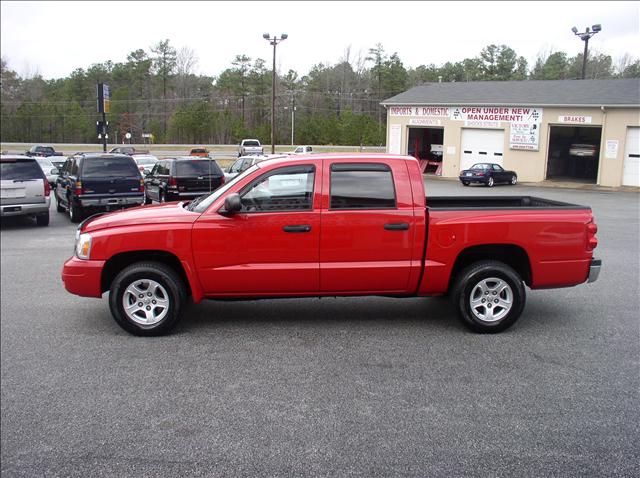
column 510, row 254
column 118, row 262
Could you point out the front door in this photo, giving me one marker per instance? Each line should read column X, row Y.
column 271, row 247
column 368, row 228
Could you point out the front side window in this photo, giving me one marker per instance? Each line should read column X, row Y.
column 285, row 189
column 362, row 186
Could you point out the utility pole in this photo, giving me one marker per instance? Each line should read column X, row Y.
column 273, row 41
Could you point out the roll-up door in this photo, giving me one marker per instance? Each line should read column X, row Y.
column 482, row 146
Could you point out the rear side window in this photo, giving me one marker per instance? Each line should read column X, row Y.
column 197, row 167
column 362, row 186
column 20, row 170
column 109, row 167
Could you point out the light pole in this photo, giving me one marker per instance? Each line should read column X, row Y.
column 273, row 41
column 584, row 36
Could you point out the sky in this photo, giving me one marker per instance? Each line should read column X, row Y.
column 54, row 38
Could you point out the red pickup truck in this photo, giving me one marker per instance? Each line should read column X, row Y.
column 332, row 225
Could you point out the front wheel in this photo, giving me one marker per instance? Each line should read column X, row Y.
column 490, row 296
column 514, row 180
column 59, row 207
column 146, row 298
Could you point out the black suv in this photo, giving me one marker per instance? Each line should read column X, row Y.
column 183, row 178
column 92, row 182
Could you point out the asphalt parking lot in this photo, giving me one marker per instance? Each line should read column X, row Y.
column 324, row 387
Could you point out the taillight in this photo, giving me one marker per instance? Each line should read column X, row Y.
column 141, row 168
column 173, row 182
column 222, row 180
column 480, row 174
column 141, row 188
column 592, row 240
column 78, row 188
column 47, row 188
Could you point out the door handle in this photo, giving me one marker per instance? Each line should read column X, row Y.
column 297, row 228
column 399, row 226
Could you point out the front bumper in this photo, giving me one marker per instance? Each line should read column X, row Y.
column 82, row 277
column 594, row 270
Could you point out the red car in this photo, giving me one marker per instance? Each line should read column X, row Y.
column 332, row 225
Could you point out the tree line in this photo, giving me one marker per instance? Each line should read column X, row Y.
column 157, row 92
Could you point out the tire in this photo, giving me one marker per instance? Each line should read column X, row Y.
column 59, row 207
column 156, row 282
column 465, row 183
column 490, row 182
column 42, row 219
column 161, row 197
column 146, row 199
column 75, row 212
column 486, row 279
column 514, row 180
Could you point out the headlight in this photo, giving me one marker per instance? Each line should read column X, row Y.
column 83, row 246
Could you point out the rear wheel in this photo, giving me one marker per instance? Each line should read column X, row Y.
column 161, row 197
column 75, row 212
column 490, row 182
column 146, row 298
column 146, row 199
column 465, row 183
column 59, row 207
column 514, row 179
column 490, row 296
column 42, row 219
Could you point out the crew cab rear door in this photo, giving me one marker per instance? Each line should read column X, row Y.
column 271, row 246
column 368, row 230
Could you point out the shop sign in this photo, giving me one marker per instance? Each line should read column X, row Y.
column 612, row 149
column 425, row 122
column 433, row 111
column 481, row 124
column 495, row 113
column 394, row 139
column 524, row 136
column 574, row 119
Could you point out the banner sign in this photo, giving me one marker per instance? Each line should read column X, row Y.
column 425, row 122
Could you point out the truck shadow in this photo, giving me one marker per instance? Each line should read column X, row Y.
column 328, row 311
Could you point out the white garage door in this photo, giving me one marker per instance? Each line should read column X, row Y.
column 481, row 146
column 631, row 168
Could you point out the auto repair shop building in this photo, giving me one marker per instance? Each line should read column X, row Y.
column 583, row 131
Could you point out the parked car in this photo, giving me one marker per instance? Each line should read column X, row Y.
column 582, row 150
column 42, row 151
column 487, row 174
column 130, row 150
column 93, row 182
column 24, row 189
column 145, row 162
column 250, row 146
column 245, row 162
column 302, row 150
column 57, row 161
column 49, row 169
column 202, row 152
column 348, row 225
column 182, row 178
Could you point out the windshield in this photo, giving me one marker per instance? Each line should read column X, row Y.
column 45, row 163
column 198, row 167
column 146, row 160
column 109, row 167
column 20, row 170
column 205, row 203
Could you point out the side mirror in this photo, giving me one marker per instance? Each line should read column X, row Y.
column 54, row 171
column 232, row 204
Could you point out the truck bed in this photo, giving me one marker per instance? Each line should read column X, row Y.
column 496, row 202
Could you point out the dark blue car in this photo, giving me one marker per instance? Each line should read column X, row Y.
column 487, row 174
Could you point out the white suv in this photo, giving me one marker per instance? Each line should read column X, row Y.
column 24, row 189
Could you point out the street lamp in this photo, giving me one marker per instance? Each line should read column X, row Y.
column 273, row 41
column 584, row 36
